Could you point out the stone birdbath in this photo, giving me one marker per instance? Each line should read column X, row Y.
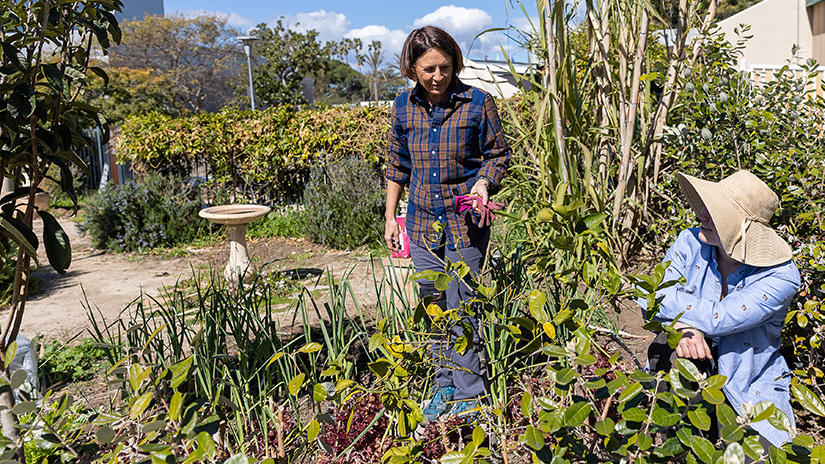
column 236, row 218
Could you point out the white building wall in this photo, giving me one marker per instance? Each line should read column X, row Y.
column 776, row 25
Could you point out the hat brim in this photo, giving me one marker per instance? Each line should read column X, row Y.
column 761, row 247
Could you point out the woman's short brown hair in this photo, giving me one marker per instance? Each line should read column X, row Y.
column 423, row 39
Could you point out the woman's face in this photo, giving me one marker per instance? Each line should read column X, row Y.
column 707, row 230
column 434, row 71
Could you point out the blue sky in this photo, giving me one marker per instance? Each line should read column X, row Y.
column 388, row 21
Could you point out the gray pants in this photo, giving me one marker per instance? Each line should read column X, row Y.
column 463, row 371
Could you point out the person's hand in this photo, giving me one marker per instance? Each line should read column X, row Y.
column 392, row 235
column 693, row 344
column 480, row 190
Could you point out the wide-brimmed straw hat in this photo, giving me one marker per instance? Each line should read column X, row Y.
column 741, row 206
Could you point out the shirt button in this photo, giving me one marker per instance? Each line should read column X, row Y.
column 435, row 130
column 438, row 196
column 435, row 174
column 433, row 152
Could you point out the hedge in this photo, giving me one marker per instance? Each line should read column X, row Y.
column 269, row 152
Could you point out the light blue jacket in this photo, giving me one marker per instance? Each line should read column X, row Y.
column 747, row 323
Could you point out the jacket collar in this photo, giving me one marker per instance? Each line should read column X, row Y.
column 458, row 91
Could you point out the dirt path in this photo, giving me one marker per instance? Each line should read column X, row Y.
column 109, row 282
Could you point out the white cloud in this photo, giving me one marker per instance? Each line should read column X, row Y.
column 391, row 40
column 462, row 23
column 329, row 25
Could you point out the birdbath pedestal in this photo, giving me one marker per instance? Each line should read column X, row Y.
column 236, row 218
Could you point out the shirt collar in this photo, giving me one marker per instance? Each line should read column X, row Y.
column 458, row 91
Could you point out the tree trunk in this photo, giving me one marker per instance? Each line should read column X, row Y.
column 9, row 422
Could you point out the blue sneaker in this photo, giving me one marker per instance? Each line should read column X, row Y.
column 439, row 402
column 466, row 409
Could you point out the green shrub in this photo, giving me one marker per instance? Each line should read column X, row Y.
column 153, row 212
column 285, row 223
column 344, row 204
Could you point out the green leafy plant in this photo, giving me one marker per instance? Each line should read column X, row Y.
column 343, row 204
column 62, row 364
column 151, row 212
column 46, row 50
column 285, row 222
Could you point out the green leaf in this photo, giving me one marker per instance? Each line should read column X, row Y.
column 779, row 420
column 536, row 302
column 634, row 415
column 700, row 419
column 461, row 344
column 313, row 428
column 753, row 447
column 644, row 441
column 154, row 426
column 22, row 235
column 58, row 248
column 808, row 400
column 14, row 56
column 105, row 435
column 527, row 404
column 380, row 367
column 478, row 436
column 703, row 448
column 731, row 433
column 565, row 376
column 310, row 348
column 453, row 457
column 376, row 341
column 605, row 427
column 52, row 75
column 725, row 415
column 778, row 455
column 175, row 406
column 576, row 414
column 319, row 393
column 713, row 395
column 671, row 447
column 11, row 351
column 630, row 392
column 664, row 418
column 18, row 378
column 180, row 371
column 274, row 358
column 687, row 369
column 533, row 438
column 586, row 360
column 296, row 383
column 140, row 404
column 24, row 407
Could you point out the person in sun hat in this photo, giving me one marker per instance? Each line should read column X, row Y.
column 739, row 281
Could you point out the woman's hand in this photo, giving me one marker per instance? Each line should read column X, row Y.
column 392, row 235
column 693, row 344
column 480, row 190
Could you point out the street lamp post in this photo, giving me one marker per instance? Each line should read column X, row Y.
column 247, row 48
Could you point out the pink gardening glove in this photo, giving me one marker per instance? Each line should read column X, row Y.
column 464, row 203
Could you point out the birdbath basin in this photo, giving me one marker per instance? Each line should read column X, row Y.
column 236, row 218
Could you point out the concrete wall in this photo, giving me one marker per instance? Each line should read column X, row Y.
column 776, row 25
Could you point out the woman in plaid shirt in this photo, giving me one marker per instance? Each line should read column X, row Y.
column 446, row 140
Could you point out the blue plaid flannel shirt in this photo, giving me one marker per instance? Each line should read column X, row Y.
column 440, row 152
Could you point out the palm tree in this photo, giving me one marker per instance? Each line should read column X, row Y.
column 375, row 58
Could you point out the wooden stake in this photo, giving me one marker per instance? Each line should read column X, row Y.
column 280, row 432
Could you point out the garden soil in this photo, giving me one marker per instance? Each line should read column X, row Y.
column 107, row 283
